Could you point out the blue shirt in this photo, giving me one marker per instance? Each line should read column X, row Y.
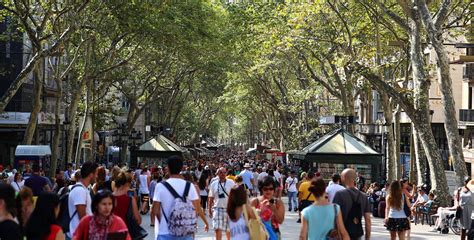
column 246, row 176
column 321, row 216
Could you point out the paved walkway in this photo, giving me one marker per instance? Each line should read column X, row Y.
column 291, row 230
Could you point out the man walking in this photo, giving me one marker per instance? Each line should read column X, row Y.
column 354, row 205
column 218, row 196
column 37, row 183
column 164, row 199
column 79, row 200
column 247, row 177
column 290, row 186
column 334, row 187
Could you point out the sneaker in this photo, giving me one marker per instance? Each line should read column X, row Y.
column 296, row 210
column 289, row 209
column 433, row 230
column 298, row 221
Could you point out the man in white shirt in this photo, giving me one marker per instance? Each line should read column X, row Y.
column 334, row 187
column 290, row 186
column 247, row 177
column 79, row 200
column 163, row 199
column 262, row 174
column 218, row 196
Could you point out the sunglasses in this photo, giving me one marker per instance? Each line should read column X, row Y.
column 268, row 189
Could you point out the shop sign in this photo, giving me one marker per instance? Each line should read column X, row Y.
column 14, row 118
column 48, row 118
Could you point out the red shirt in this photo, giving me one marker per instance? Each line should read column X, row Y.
column 121, row 206
column 53, row 231
column 116, row 225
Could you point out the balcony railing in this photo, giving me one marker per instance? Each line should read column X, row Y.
column 466, row 115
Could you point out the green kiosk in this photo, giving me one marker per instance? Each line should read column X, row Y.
column 338, row 150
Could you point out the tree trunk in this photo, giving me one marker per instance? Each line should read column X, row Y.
column 391, row 162
column 420, row 160
column 37, row 103
column 57, row 129
column 435, row 34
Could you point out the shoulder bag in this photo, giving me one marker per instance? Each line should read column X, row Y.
column 256, row 228
column 135, row 230
column 334, row 234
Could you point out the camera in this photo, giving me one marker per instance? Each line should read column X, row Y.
column 221, row 195
column 272, row 201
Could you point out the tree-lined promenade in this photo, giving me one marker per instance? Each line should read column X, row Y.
column 246, row 72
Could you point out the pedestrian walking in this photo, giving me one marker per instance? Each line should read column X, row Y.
column 395, row 218
column 144, row 181
column 354, row 205
column 43, row 224
column 37, row 183
column 466, row 201
column 204, row 189
column 319, row 213
column 175, row 195
column 290, row 186
column 334, row 187
column 218, row 197
column 237, row 208
column 247, row 176
column 122, row 200
column 103, row 224
column 17, row 182
column 9, row 227
column 79, row 200
column 305, row 197
column 272, row 210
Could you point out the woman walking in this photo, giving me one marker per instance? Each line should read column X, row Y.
column 121, row 198
column 395, row 218
column 103, row 224
column 204, row 189
column 272, row 211
column 237, row 210
column 323, row 214
column 43, row 224
column 466, row 201
column 144, row 181
column 17, row 183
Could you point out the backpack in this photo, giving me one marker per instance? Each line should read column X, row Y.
column 353, row 221
column 182, row 220
column 64, row 218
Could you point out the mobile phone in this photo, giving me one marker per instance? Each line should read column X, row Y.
column 272, row 201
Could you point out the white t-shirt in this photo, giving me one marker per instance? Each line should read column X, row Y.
column 215, row 190
column 262, row 175
column 246, row 176
column 292, row 184
column 17, row 185
column 331, row 190
column 143, row 184
column 277, row 176
column 166, row 199
column 78, row 196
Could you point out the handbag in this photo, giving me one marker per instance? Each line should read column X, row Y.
column 135, row 230
column 256, row 228
column 334, row 233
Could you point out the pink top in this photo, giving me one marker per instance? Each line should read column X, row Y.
column 116, row 225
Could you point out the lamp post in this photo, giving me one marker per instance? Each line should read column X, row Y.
column 133, row 141
column 66, row 125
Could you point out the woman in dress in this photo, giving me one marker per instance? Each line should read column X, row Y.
column 122, row 199
column 103, row 224
column 466, row 202
column 395, row 218
column 236, row 205
column 322, row 214
column 43, row 224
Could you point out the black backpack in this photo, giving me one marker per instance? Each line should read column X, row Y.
column 64, row 217
column 353, row 221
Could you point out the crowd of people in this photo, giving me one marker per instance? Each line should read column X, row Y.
column 241, row 196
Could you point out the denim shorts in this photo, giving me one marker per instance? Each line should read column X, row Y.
column 171, row 237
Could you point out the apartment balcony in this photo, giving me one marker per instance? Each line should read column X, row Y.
column 468, row 73
column 466, row 117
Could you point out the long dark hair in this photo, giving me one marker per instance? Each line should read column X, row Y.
column 237, row 198
column 42, row 217
column 203, row 180
column 395, row 195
